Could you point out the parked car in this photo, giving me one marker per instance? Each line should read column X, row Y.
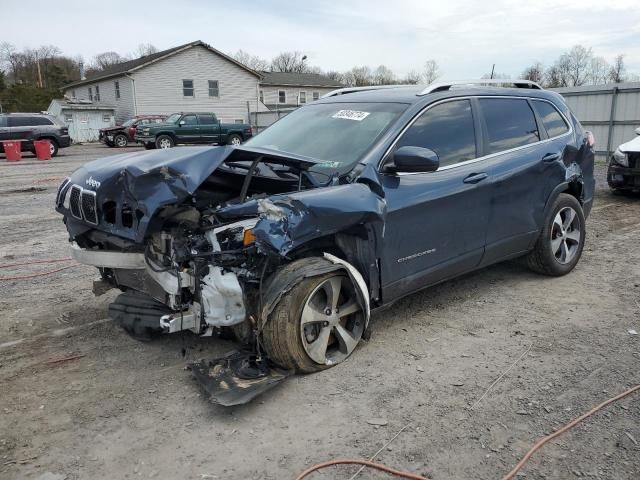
column 623, row 174
column 343, row 206
column 28, row 127
column 120, row 135
column 192, row 128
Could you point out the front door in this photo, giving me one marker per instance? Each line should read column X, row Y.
column 189, row 129
column 436, row 222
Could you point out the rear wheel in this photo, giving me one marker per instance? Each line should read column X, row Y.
column 120, row 140
column 53, row 148
column 316, row 325
column 164, row 141
column 234, row 139
column 561, row 241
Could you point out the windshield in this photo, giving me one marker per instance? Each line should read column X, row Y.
column 173, row 118
column 335, row 134
column 128, row 122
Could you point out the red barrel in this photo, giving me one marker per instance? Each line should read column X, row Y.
column 43, row 149
column 12, row 150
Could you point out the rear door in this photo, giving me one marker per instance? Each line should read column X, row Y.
column 20, row 127
column 524, row 167
column 209, row 128
column 188, row 130
column 436, row 222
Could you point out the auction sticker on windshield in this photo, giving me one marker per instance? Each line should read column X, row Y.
column 351, row 115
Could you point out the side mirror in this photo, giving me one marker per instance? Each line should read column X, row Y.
column 638, row 131
column 413, row 160
column 182, row 122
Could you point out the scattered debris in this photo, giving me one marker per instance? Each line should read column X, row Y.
column 53, row 361
column 632, row 332
column 419, row 368
column 635, row 442
column 381, row 422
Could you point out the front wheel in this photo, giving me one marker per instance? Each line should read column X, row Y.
column 561, row 241
column 234, row 139
column 120, row 140
column 164, row 141
column 53, row 148
column 315, row 325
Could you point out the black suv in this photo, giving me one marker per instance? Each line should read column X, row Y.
column 34, row 126
column 341, row 207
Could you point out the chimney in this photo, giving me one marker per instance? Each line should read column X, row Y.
column 82, row 75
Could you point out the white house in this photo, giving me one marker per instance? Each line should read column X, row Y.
column 192, row 77
column 285, row 89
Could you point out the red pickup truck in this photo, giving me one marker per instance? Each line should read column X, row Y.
column 120, row 135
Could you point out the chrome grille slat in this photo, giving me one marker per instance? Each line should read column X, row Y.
column 74, row 202
column 88, row 206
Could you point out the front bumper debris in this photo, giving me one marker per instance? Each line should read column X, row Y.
column 623, row 178
column 237, row 378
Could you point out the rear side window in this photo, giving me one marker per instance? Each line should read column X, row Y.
column 551, row 118
column 510, row 123
column 3, row 121
column 21, row 121
column 41, row 121
column 207, row 119
column 447, row 129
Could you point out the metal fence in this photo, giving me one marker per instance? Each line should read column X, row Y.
column 261, row 120
column 611, row 112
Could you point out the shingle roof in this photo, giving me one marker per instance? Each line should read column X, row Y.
column 298, row 79
column 126, row 67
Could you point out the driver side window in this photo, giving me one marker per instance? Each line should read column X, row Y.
column 447, row 129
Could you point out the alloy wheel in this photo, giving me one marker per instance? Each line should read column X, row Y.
column 566, row 235
column 332, row 321
column 235, row 141
column 165, row 143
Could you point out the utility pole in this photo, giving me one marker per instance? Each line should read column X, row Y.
column 492, row 70
column 39, row 73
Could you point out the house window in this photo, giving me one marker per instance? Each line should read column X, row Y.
column 261, row 96
column 238, row 120
column 68, row 118
column 282, row 96
column 97, row 97
column 214, row 91
column 90, row 94
column 116, row 84
column 302, row 97
column 187, row 88
column 316, row 96
column 106, row 117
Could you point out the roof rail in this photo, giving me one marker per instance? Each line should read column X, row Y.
column 342, row 91
column 441, row 86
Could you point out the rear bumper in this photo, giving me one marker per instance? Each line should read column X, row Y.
column 623, row 178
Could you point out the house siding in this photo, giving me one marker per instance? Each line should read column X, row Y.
column 124, row 106
column 159, row 86
column 271, row 94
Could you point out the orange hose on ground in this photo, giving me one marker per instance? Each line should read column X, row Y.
column 366, row 463
column 508, row 476
column 34, row 275
column 571, row 424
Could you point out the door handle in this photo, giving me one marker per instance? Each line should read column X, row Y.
column 551, row 157
column 475, row 177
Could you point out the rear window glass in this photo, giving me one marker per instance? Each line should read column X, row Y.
column 510, row 123
column 447, row 129
column 551, row 118
column 3, row 121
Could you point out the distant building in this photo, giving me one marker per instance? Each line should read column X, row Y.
column 83, row 119
column 285, row 90
column 191, row 77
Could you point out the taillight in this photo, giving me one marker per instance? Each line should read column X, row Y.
column 254, row 131
column 589, row 138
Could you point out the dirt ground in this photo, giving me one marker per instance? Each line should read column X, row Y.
column 130, row 410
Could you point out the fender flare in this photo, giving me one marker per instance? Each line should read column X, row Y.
column 295, row 272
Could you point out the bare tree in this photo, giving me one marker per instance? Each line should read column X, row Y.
column 361, row 76
column 578, row 60
column 336, row 76
column 144, row 49
column 289, row 62
column 535, row 72
column 496, row 75
column 252, row 61
column 617, row 71
column 412, row 78
column 431, row 71
column 383, row 76
column 10, row 57
column 598, row 71
column 106, row 59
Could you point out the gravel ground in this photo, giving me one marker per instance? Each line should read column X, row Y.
column 129, row 410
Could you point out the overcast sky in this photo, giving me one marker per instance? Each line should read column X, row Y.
column 464, row 36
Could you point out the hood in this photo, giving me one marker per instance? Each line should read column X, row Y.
column 141, row 183
column 108, row 129
column 631, row 146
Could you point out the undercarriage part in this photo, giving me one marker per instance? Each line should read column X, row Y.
column 107, row 258
column 221, row 296
column 138, row 314
column 237, row 378
column 178, row 321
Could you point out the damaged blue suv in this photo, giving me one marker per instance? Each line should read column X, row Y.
column 345, row 205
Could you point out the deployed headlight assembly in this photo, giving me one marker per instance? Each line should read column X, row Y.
column 620, row 158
